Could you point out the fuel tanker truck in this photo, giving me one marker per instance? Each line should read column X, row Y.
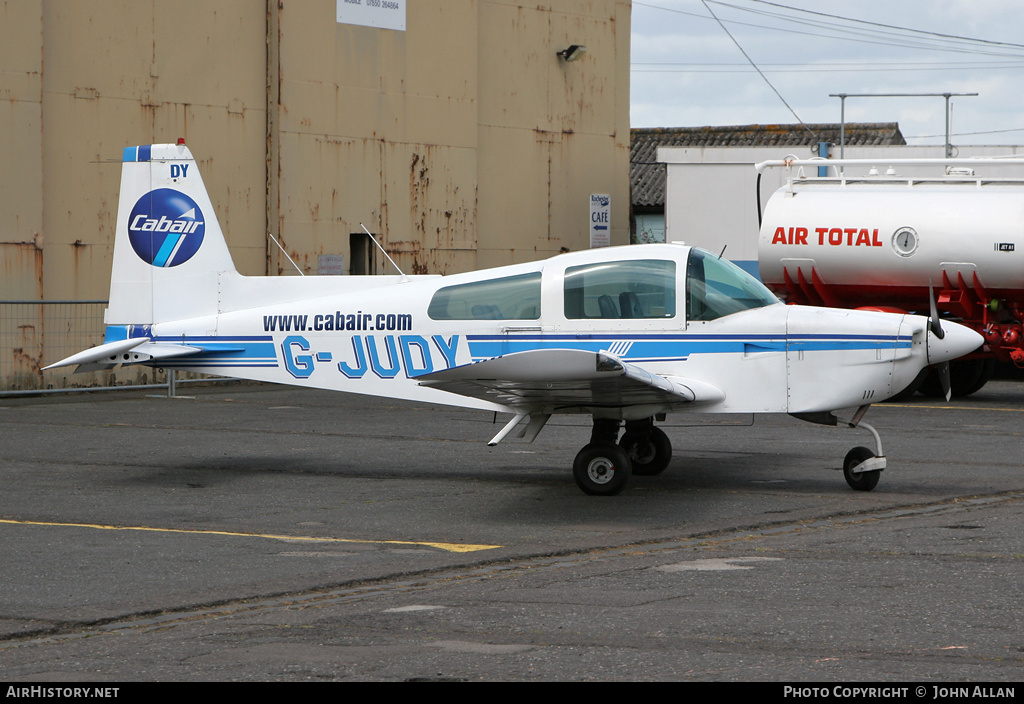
column 952, row 243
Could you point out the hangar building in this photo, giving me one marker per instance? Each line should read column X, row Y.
column 453, row 129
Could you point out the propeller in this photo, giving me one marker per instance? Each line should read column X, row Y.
column 943, row 371
column 933, row 321
column 935, row 327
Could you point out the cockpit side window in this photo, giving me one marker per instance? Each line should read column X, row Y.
column 638, row 288
column 716, row 287
column 507, row 298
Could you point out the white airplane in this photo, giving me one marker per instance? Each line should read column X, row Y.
column 624, row 334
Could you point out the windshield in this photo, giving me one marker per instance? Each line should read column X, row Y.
column 716, row 287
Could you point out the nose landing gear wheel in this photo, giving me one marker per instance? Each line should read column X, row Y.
column 860, row 481
column 601, row 469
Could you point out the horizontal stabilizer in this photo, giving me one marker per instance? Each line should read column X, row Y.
column 562, row 379
column 131, row 351
column 101, row 353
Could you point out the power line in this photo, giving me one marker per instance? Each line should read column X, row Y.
column 933, row 64
column 991, row 55
column 879, row 24
column 851, row 34
column 809, row 130
column 796, row 68
column 903, row 34
column 964, row 134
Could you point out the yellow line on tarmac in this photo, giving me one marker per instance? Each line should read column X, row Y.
column 449, row 547
column 951, row 408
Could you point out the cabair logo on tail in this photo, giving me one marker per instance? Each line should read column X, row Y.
column 166, row 227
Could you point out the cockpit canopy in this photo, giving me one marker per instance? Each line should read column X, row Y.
column 632, row 288
column 507, row 298
column 611, row 290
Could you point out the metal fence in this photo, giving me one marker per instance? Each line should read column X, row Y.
column 34, row 334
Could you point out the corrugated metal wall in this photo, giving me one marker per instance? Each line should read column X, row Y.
column 463, row 142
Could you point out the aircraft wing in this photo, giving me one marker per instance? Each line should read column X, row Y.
column 559, row 380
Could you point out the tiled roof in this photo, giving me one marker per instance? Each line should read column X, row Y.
column 647, row 177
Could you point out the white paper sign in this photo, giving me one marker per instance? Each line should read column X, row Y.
column 600, row 220
column 383, row 14
column 330, row 265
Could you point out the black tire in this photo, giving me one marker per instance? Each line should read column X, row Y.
column 862, row 481
column 601, row 469
column 988, row 366
column 931, row 386
column 965, row 377
column 649, row 453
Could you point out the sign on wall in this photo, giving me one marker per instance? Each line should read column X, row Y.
column 383, row 14
column 600, row 220
column 330, row 265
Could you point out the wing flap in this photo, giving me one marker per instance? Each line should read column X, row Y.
column 568, row 379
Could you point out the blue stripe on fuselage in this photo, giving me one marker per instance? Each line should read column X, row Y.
column 678, row 347
column 244, row 351
column 235, row 351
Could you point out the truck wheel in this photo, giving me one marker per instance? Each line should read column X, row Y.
column 965, row 377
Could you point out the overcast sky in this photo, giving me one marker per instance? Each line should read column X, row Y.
column 687, row 71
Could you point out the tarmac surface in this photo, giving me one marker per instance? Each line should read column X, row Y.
column 261, row 533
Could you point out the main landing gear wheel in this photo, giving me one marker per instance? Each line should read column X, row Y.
column 601, row 469
column 861, row 481
column 649, row 452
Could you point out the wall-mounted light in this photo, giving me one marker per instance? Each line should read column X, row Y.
column 574, row 52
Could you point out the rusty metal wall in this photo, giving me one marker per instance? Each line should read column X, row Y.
column 21, row 188
column 30, row 329
column 122, row 72
column 379, row 127
column 463, row 142
column 81, row 80
column 551, row 132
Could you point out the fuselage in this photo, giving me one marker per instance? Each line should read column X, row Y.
column 675, row 311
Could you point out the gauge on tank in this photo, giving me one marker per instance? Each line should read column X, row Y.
column 904, row 241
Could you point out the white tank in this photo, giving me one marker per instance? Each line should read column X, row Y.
column 879, row 242
column 886, row 239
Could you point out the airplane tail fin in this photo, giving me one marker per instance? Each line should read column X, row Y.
column 170, row 256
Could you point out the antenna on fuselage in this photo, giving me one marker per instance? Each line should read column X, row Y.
column 374, row 239
column 285, row 252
